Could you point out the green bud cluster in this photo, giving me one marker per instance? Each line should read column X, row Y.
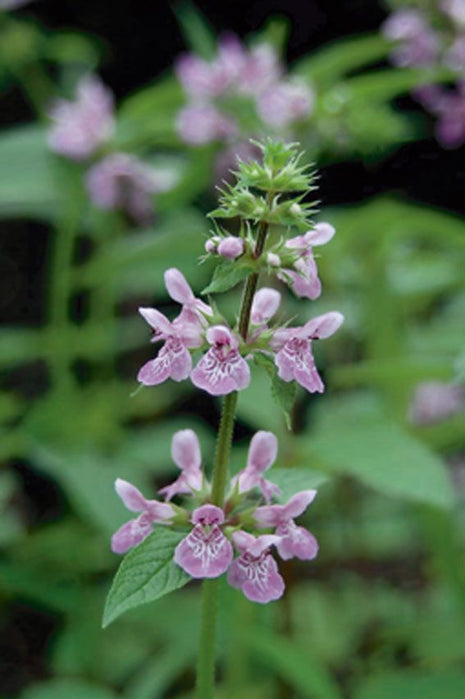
column 270, row 191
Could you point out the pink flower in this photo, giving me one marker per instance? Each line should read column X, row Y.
column 284, row 103
column 255, row 571
column 294, row 357
column 205, row 552
column 262, row 455
column 304, row 277
column 121, row 181
column 192, row 317
column 197, row 76
column 199, row 124
column 81, row 126
column 222, row 370
column 174, row 359
column 185, row 452
column 136, row 530
column 265, row 304
column 294, row 540
column 450, row 130
column 231, row 247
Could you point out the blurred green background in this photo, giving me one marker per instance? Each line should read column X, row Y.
column 380, row 614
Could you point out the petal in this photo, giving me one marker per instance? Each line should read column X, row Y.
column 264, row 582
column 298, row 503
column 321, row 234
column 177, row 286
column 207, row 514
column 221, row 335
column 268, row 515
column 130, row 495
column 261, row 543
column 296, row 541
column 204, row 555
column 173, row 361
column 324, row 325
column 181, row 361
column 185, row 450
column 262, row 451
column 265, row 304
column 131, row 534
column 265, row 589
column 242, row 540
column 218, row 375
column 156, row 320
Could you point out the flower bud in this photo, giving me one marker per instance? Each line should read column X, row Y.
column 273, row 259
column 231, row 247
column 210, row 246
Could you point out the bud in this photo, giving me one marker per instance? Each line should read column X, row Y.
column 231, row 247
column 273, row 260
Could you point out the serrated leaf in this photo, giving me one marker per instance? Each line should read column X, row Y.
column 146, row 573
column 283, row 392
column 227, row 275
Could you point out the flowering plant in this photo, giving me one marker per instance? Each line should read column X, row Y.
column 198, row 538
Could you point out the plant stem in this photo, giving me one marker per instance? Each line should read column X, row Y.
column 206, row 660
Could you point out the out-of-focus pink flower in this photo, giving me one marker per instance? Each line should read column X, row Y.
column 416, row 43
column 255, row 571
column 404, row 24
column 294, row 540
column 185, row 452
column 222, row 369
column 454, row 57
column 231, row 247
column 205, row 552
column 294, row 357
column 81, row 126
column 455, row 9
column 285, row 103
column 136, row 530
column 199, row 124
column 262, row 455
column 123, row 182
column 261, row 69
column 434, row 401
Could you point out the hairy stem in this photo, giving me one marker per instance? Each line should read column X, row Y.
column 206, row 660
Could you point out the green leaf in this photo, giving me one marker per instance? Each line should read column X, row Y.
column 304, row 673
column 146, row 573
column 293, row 480
column 379, row 454
column 283, row 392
column 227, row 275
column 406, row 685
column 67, row 689
column 27, row 185
column 337, row 60
column 197, row 32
